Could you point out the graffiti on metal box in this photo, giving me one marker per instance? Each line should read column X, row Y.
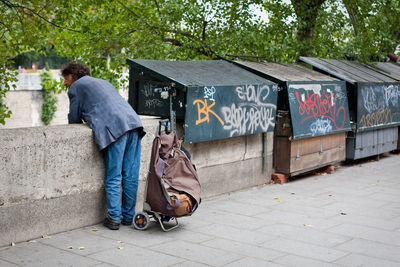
column 252, row 114
column 217, row 112
column 378, row 105
column 204, row 110
column 318, row 108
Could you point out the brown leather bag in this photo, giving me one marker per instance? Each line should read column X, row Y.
column 170, row 165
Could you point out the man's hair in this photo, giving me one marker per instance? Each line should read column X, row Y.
column 75, row 69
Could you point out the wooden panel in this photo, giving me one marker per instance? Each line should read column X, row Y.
column 281, row 154
column 283, row 124
column 316, row 160
column 286, row 158
column 333, row 140
column 313, row 145
column 305, row 146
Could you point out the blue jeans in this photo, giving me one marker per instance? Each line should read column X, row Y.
column 122, row 158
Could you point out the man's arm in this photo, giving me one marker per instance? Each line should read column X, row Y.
column 75, row 114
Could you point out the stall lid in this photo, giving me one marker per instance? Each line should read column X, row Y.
column 393, row 69
column 317, row 102
column 279, row 72
column 200, row 72
column 376, row 98
column 349, row 71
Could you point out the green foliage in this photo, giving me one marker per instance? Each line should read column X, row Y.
column 50, row 89
column 103, row 34
column 7, row 81
column 48, row 57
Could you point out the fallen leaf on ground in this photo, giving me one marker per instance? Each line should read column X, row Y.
column 81, row 248
column 12, row 244
column 276, row 197
column 69, row 247
column 94, row 229
column 343, row 213
column 46, row 236
column 120, row 247
column 308, row 225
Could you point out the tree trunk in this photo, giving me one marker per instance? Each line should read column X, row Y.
column 307, row 13
column 355, row 16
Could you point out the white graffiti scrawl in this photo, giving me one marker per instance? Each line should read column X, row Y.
column 321, row 126
column 209, row 92
column 252, row 114
column 392, row 95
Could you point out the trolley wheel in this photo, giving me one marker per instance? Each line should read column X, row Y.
column 141, row 221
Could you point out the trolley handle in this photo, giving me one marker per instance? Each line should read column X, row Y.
column 166, row 125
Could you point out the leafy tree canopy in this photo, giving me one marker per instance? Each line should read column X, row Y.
column 102, row 34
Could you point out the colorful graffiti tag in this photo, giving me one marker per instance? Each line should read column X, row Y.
column 318, row 108
column 227, row 111
column 253, row 113
column 378, row 105
column 204, row 111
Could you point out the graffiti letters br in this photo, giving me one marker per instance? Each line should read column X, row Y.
column 204, row 110
column 323, row 107
column 253, row 112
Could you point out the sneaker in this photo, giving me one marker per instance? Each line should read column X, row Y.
column 128, row 223
column 110, row 224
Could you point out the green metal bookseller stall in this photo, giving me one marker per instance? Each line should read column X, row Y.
column 393, row 69
column 214, row 99
column 312, row 118
column 373, row 103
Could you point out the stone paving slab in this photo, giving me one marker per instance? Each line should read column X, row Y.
column 293, row 260
column 305, row 234
column 365, row 261
column 348, row 218
column 135, row 256
column 372, row 249
column 38, row 254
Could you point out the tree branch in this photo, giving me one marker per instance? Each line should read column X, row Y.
column 34, row 13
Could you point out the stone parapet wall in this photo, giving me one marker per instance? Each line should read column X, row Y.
column 52, row 177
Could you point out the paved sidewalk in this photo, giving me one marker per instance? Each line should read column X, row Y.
column 348, row 218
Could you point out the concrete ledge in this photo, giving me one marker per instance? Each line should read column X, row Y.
column 31, row 220
column 52, row 177
column 216, row 180
column 48, row 162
